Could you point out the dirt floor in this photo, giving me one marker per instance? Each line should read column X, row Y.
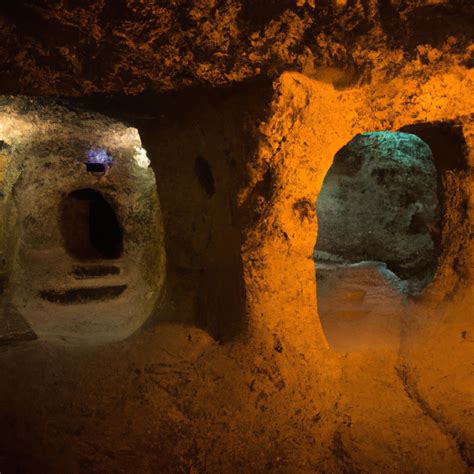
column 173, row 400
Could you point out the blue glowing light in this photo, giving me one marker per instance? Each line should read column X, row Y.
column 99, row 155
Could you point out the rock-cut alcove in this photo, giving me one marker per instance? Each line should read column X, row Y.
column 377, row 231
column 83, row 245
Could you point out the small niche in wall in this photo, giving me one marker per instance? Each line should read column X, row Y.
column 377, row 230
column 89, row 226
column 98, row 161
column 203, row 171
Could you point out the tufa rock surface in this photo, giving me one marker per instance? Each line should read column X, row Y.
column 131, row 46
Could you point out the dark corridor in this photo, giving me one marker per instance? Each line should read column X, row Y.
column 90, row 227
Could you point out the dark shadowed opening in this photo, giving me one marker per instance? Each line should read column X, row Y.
column 447, row 142
column 89, row 226
column 204, row 174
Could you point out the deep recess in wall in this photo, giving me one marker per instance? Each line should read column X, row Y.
column 84, row 253
column 379, row 203
column 447, row 143
column 204, row 175
column 449, row 148
column 89, row 226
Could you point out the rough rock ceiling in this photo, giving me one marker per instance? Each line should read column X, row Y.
column 73, row 48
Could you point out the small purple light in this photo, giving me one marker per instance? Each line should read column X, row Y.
column 99, row 155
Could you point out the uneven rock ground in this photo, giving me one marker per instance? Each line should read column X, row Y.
column 171, row 400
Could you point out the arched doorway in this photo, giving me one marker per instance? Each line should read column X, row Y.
column 89, row 226
column 378, row 219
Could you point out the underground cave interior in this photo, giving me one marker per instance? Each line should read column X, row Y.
column 166, row 170
column 85, row 257
column 380, row 216
column 196, row 149
column 211, row 139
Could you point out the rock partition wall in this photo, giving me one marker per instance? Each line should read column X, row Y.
column 311, row 122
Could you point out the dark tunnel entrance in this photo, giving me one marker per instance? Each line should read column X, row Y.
column 90, row 227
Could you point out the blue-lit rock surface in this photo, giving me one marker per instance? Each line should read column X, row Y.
column 379, row 203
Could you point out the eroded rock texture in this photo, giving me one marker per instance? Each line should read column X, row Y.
column 75, row 48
